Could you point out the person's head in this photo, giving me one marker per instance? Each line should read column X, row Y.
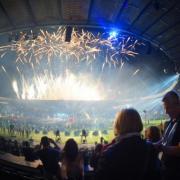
column 101, row 140
column 71, row 149
column 171, row 104
column 45, row 142
column 153, row 134
column 127, row 121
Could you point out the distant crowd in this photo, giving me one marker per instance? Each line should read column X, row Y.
column 130, row 155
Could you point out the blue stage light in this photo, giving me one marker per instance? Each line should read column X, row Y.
column 113, row 34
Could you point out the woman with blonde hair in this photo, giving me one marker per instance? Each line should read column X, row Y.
column 127, row 121
column 130, row 157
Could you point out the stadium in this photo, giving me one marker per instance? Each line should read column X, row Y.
column 70, row 68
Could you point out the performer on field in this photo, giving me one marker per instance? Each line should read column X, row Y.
column 83, row 136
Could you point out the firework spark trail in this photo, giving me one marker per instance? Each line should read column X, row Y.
column 3, row 69
column 83, row 46
column 6, row 73
column 68, row 87
column 135, row 72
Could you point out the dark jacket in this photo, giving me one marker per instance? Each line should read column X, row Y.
column 50, row 158
column 173, row 162
column 131, row 159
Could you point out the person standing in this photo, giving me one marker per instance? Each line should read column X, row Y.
column 130, row 157
column 72, row 162
column 169, row 145
column 83, row 136
column 50, row 158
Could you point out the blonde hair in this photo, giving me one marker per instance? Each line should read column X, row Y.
column 127, row 121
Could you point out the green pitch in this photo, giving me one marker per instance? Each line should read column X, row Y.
column 91, row 139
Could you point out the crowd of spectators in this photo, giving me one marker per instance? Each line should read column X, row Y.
column 130, row 155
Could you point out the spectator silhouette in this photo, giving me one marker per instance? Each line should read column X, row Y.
column 96, row 155
column 83, row 136
column 28, row 152
column 131, row 157
column 50, row 158
column 72, row 162
column 152, row 134
column 169, row 145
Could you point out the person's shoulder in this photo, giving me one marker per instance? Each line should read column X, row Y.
column 39, row 152
column 150, row 147
column 54, row 150
column 111, row 149
column 128, row 143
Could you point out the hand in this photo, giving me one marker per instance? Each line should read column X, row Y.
column 51, row 140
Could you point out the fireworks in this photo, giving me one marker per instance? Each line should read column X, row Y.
column 83, row 47
column 135, row 72
column 67, row 87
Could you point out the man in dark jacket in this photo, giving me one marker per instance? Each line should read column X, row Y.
column 50, row 157
column 170, row 142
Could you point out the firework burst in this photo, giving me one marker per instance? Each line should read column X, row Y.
column 83, row 47
column 65, row 87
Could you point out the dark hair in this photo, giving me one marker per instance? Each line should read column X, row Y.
column 154, row 133
column 171, row 97
column 71, row 149
column 45, row 141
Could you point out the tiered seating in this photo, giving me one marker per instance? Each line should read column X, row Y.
column 18, row 168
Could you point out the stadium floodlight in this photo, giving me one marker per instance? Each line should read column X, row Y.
column 113, row 34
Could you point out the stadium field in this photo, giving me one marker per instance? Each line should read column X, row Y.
column 91, row 138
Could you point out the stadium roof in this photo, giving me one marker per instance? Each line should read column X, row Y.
column 155, row 20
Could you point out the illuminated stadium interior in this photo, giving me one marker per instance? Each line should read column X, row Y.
column 89, row 77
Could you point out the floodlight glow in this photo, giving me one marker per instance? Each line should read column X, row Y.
column 113, row 34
